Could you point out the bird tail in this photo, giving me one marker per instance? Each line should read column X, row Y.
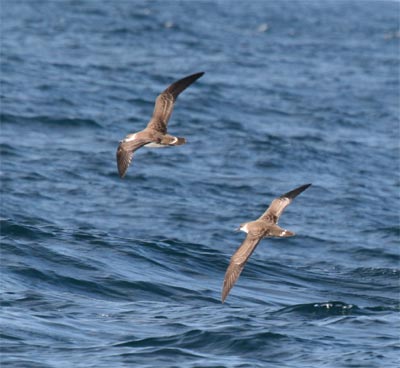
column 180, row 141
column 170, row 140
column 277, row 231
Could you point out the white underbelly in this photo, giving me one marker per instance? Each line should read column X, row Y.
column 155, row 145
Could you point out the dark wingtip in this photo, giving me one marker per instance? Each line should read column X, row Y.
column 121, row 169
column 225, row 292
column 121, row 173
column 176, row 88
column 223, row 297
column 197, row 75
column 295, row 192
column 301, row 188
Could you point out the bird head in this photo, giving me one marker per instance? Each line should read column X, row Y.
column 243, row 227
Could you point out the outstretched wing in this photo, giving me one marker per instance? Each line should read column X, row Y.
column 125, row 152
column 278, row 205
column 237, row 263
column 165, row 102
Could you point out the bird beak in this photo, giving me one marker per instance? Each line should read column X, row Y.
column 237, row 229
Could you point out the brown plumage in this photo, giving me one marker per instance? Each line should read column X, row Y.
column 265, row 226
column 155, row 133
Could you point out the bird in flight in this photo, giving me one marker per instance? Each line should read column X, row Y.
column 155, row 134
column 265, row 226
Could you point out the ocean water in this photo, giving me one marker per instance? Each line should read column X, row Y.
column 102, row 272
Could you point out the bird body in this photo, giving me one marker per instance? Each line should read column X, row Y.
column 265, row 226
column 155, row 134
column 263, row 229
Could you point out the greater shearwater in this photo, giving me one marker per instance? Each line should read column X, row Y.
column 155, row 134
column 265, row 226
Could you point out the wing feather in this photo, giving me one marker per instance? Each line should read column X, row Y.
column 165, row 102
column 278, row 205
column 125, row 152
column 237, row 263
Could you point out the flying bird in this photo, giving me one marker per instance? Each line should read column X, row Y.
column 265, row 226
column 155, row 134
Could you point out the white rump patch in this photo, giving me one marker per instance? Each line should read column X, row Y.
column 175, row 140
column 283, row 232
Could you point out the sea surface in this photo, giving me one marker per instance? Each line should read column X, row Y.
column 102, row 272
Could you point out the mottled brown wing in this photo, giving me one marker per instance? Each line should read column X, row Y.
column 237, row 263
column 125, row 154
column 165, row 102
column 278, row 205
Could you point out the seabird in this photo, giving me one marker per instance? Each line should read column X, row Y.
column 265, row 226
column 155, row 134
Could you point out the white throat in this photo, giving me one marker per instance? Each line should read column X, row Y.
column 244, row 229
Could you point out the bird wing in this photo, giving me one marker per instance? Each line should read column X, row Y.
column 238, row 262
column 278, row 205
column 165, row 102
column 125, row 151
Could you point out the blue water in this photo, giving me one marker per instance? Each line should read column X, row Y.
column 102, row 272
